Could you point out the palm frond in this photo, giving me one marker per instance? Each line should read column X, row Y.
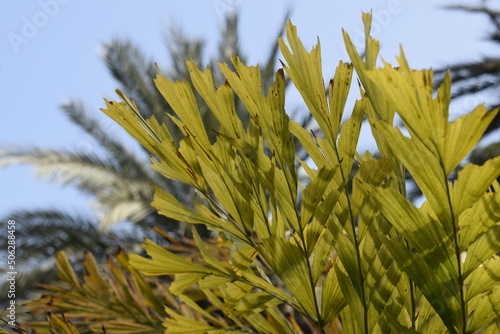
column 89, row 172
column 111, row 184
column 42, row 233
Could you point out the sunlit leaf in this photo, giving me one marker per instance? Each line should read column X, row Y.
column 432, row 286
column 483, row 278
column 163, row 262
column 333, row 300
column 472, row 182
column 287, row 260
column 59, row 325
column 180, row 324
column 486, row 308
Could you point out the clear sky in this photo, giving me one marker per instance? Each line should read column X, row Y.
column 49, row 53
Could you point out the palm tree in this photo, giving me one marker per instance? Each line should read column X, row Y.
column 118, row 179
column 478, row 76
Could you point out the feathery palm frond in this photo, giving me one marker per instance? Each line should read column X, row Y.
column 106, row 181
column 42, row 233
column 59, row 231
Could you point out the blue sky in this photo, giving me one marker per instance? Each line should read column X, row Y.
column 49, row 53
